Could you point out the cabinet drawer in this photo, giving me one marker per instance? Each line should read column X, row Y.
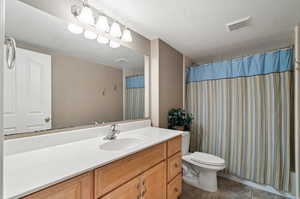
column 118, row 172
column 174, row 188
column 174, row 166
column 80, row 187
column 129, row 190
column 174, row 146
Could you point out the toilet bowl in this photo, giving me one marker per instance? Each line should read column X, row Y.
column 200, row 169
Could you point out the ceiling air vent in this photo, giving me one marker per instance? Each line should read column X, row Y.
column 238, row 24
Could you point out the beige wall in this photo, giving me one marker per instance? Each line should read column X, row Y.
column 170, row 81
column 166, row 81
column 187, row 62
column 77, row 91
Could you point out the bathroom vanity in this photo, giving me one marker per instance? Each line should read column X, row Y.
column 149, row 169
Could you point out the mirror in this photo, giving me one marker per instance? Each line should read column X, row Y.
column 61, row 80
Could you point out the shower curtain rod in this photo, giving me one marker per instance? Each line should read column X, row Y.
column 249, row 55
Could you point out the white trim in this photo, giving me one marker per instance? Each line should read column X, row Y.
column 265, row 188
column 147, row 85
column 297, row 108
column 124, row 93
column 154, row 75
column 2, row 34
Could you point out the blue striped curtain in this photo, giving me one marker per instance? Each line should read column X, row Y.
column 242, row 109
column 135, row 94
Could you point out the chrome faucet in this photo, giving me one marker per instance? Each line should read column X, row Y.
column 112, row 134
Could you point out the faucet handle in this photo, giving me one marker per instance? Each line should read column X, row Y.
column 115, row 128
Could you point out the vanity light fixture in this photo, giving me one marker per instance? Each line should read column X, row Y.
column 102, row 24
column 75, row 29
column 103, row 40
column 114, row 44
column 86, row 16
column 127, row 36
column 115, row 30
column 100, row 28
column 90, row 35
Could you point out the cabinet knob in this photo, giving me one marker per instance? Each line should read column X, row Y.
column 176, row 165
column 47, row 119
column 176, row 189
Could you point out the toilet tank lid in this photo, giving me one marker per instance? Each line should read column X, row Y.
column 205, row 158
column 185, row 133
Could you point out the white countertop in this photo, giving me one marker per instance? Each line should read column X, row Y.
column 31, row 171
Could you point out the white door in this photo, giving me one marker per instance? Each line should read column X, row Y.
column 9, row 99
column 27, row 93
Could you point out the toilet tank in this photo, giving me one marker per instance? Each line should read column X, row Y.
column 185, row 144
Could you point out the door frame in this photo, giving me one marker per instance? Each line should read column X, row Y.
column 2, row 35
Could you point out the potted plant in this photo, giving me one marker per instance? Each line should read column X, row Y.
column 180, row 120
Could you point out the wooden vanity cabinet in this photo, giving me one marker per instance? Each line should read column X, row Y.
column 118, row 172
column 149, row 185
column 131, row 189
column 154, row 173
column 154, row 182
column 80, row 187
column 174, row 188
column 174, row 168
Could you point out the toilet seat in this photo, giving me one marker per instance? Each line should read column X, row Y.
column 205, row 160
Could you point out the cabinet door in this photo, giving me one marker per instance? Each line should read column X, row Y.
column 118, row 172
column 154, row 182
column 130, row 190
column 80, row 187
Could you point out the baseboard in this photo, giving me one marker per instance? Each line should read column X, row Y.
column 262, row 187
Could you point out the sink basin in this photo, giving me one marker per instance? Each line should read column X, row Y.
column 120, row 144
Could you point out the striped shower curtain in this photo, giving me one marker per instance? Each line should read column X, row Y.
column 242, row 110
column 135, row 93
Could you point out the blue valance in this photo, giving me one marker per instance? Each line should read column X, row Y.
column 135, row 82
column 260, row 64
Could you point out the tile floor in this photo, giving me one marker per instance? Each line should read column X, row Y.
column 227, row 190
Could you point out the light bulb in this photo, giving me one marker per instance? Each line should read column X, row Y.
column 127, row 36
column 115, row 30
column 73, row 28
column 90, row 35
column 86, row 16
column 103, row 40
column 114, row 44
column 102, row 24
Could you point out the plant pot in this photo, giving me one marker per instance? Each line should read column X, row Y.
column 179, row 128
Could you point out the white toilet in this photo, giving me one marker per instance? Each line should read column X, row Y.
column 200, row 169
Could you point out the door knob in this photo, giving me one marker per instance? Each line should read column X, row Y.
column 47, row 119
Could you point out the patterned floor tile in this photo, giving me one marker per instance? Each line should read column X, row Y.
column 227, row 190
